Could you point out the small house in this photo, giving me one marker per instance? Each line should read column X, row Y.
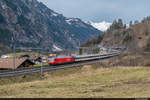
column 10, row 63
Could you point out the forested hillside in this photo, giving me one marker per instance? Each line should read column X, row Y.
column 136, row 37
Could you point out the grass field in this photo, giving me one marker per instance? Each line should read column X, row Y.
column 43, row 64
column 125, row 82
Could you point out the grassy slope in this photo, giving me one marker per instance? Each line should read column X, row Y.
column 88, row 82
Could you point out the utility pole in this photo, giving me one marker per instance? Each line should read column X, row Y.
column 79, row 48
column 41, row 65
column 79, row 43
column 14, row 50
column 14, row 57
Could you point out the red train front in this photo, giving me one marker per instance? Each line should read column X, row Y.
column 61, row 60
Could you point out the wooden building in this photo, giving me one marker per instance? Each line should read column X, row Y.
column 8, row 63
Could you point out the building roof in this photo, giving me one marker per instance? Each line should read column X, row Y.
column 35, row 57
column 8, row 63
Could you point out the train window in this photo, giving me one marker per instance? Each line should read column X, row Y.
column 53, row 59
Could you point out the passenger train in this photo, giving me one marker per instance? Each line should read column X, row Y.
column 58, row 60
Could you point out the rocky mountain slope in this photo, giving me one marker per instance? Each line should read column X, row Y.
column 29, row 23
column 136, row 37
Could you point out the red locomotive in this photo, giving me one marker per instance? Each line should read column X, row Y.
column 61, row 60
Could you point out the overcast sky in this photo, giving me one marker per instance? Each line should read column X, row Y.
column 101, row 10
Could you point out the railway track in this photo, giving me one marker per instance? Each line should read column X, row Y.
column 30, row 71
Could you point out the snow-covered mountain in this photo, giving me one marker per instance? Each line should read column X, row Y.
column 102, row 26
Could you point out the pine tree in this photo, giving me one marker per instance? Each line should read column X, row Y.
column 136, row 22
column 120, row 23
column 130, row 24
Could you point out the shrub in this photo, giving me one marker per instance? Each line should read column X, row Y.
column 117, row 34
column 94, row 41
column 2, row 20
column 23, row 21
column 127, row 38
column 5, row 36
column 147, row 47
column 24, row 8
column 4, row 33
column 10, row 4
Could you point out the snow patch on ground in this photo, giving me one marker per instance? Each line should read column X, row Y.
column 5, row 56
column 69, row 20
column 56, row 48
column 54, row 14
